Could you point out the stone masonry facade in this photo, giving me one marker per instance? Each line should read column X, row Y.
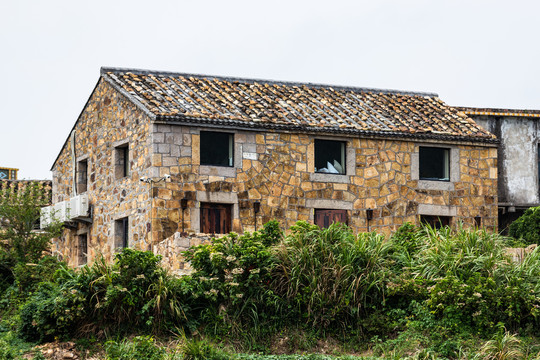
column 381, row 174
column 107, row 121
column 273, row 168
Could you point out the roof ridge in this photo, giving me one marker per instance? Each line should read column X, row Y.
column 105, row 70
column 496, row 110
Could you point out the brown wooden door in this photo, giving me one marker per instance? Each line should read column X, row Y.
column 434, row 221
column 325, row 217
column 215, row 218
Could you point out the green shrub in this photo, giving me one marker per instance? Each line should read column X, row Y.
column 202, row 350
column 28, row 275
column 230, row 280
column 527, row 227
column 52, row 311
column 139, row 348
column 133, row 293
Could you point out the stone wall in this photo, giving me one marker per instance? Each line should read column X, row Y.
column 107, row 121
column 277, row 170
column 171, row 250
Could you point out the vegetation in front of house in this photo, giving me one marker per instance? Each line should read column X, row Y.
column 527, row 227
column 421, row 293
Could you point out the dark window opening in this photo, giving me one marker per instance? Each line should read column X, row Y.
column 330, row 156
column 121, row 161
column 121, row 233
column 83, row 249
column 82, row 176
column 326, row 217
column 435, row 221
column 434, row 163
column 216, row 218
column 217, row 149
column 539, row 168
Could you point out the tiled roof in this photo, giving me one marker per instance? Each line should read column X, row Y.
column 17, row 186
column 269, row 104
column 499, row 112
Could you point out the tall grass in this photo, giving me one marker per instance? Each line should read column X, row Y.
column 330, row 275
column 458, row 252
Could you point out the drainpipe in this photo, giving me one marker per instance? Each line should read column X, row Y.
column 73, row 163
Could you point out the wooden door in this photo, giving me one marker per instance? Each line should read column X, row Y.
column 215, row 218
column 325, row 217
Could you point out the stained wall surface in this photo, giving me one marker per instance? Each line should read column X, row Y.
column 518, row 157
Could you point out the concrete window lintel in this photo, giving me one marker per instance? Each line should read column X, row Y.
column 313, row 204
column 437, row 210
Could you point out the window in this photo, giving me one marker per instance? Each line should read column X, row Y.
column 435, row 221
column 215, row 218
column 539, row 168
column 434, row 163
column 330, row 156
column 217, row 148
column 326, row 217
column 83, row 249
column 121, row 161
column 121, row 233
column 82, row 176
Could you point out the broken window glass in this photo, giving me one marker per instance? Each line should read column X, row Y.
column 216, row 148
column 330, row 156
column 434, row 163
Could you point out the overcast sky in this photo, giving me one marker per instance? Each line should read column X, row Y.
column 472, row 53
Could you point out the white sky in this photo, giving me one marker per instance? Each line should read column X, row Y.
column 472, row 53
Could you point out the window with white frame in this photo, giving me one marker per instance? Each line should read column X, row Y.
column 330, row 156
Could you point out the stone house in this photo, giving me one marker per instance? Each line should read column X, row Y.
column 519, row 158
column 161, row 156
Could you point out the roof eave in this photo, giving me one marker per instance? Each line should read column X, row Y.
column 187, row 120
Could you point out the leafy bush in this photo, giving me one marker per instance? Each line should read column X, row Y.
column 202, row 350
column 133, row 293
column 231, row 277
column 527, row 227
column 329, row 275
column 19, row 211
column 140, row 348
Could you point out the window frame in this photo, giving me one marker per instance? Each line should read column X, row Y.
column 436, row 221
column 82, row 176
column 122, row 168
column 121, row 233
column 206, row 208
column 447, row 159
column 317, row 143
column 82, row 255
column 230, row 150
column 316, row 212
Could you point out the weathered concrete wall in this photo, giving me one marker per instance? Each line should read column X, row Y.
column 518, row 157
column 108, row 120
column 277, row 169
